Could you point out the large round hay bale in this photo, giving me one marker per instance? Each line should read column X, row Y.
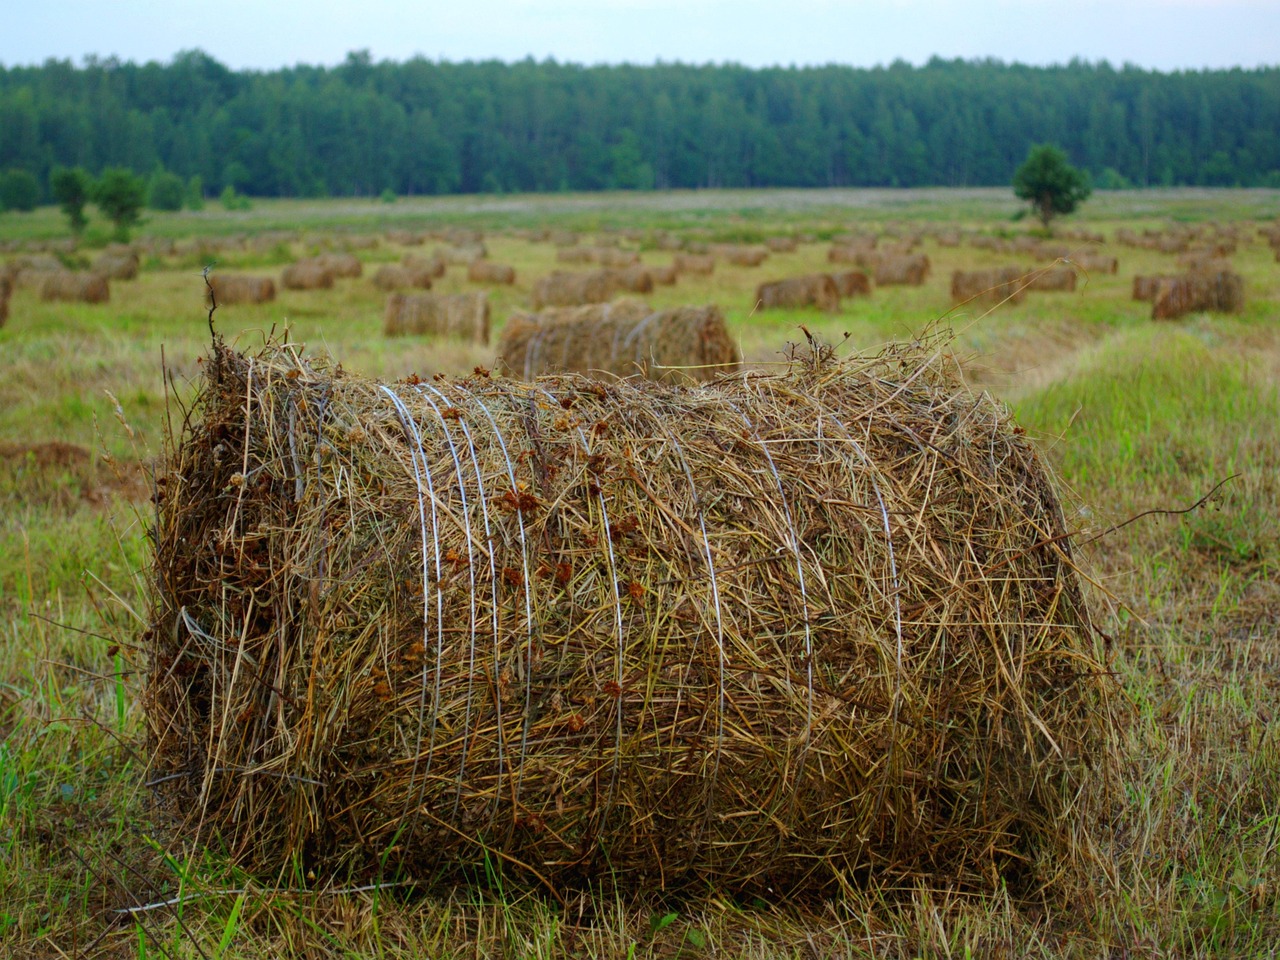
column 342, row 265
column 1052, row 280
column 996, row 286
column 117, row 266
column 561, row 288
column 463, row 315
column 815, row 290
column 1221, row 292
column 625, row 337
column 576, row 254
column 229, row 288
column 746, row 256
column 699, row 264
column 432, row 266
column 769, row 631
column 852, row 283
column 909, row 269
column 306, row 275
column 76, row 287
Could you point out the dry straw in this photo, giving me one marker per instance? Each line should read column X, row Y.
column 464, row 315
column 230, row 288
column 625, row 338
column 779, row 631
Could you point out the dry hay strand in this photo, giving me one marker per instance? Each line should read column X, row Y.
column 1221, row 292
column 785, row 631
column 815, row 290
column 395, row 277
column 700, row 264
column 306, row 275
column 1000, row 285
column 852, row 283
column 1053, row 280
column 76, row 287
column 462, row 315
column 432, row 266
column 230, row 288
column 117, row 266
column 1149, row 287
column 625, row 338
column 341, row 265
column 908, row 270
column 483, row 271
column 781, row 244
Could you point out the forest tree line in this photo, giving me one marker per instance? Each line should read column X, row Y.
column 364, row 128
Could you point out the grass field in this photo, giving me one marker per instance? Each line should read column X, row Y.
column 1133, row 416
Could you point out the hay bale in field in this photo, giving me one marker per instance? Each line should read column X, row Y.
column 997, row 286
column 908, row 270
column 1096, row 262
column 433, row 266
column 406, row 238
column 700, row 264
column 394, row 277
column 1149, row 287
column 746, row 256
column 563, row 238
column 781, row 244
column 634, row 279
column 306, row 275
column 484, row 271
column 852, row 283
column 563, row 289
column 743, row 635
column 625, row 337
column 230, row 288
column 662, row 275
column 1221, row 292
column 75, row 286
column 816, row 290
column 575, row 254
column 616, row 259
column 341, row 265
column 857, row 255
column 117, row 266
column 462, row 315
column 1055, row 279
column 464, row 255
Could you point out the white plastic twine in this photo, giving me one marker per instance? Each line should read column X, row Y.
column 421, row 470
column 528, row 604
column 804, row 594
column 471, row 570
column 617, row 610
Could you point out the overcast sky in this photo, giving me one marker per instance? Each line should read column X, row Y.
column 266, row 34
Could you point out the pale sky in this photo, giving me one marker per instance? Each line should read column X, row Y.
column 266, row 34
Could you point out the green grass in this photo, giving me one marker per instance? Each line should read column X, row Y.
column 1132, row 417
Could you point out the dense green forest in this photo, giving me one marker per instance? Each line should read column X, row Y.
column 363, row 128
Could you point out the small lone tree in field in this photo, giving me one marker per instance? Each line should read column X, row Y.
column 70, row 186
column 166, row 191
column 120, row 195
column 1050, row 183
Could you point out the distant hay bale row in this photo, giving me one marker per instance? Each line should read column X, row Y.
column 817, row 290
column 1221, row 292
column 75, row 287
column 906, row 270
column 395, row 277
column 699, row 264
column 231, row 288
column 564, row 289
column 484, row 271
column 461, row 315
column 625, row 337
column 775, row 632
column 605, row 256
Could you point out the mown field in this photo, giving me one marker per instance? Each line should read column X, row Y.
column 1135, row 417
